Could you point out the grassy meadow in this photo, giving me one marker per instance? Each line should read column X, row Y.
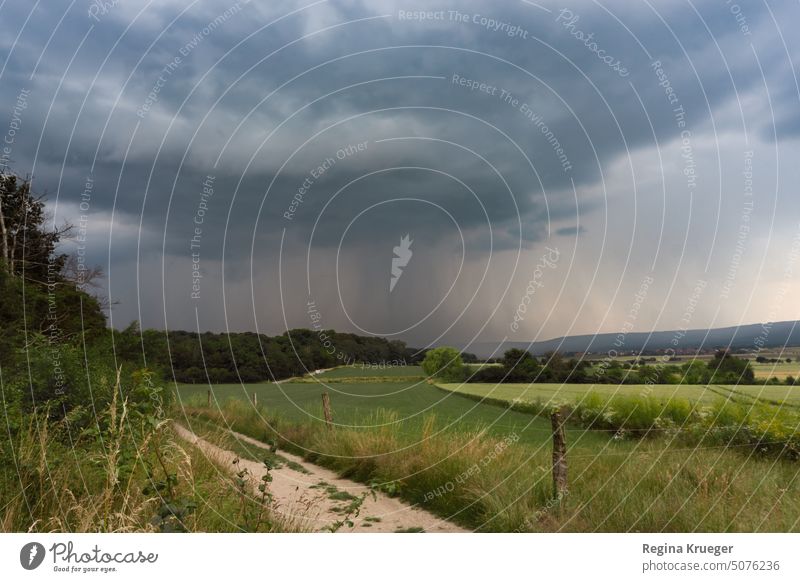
column 402, row 406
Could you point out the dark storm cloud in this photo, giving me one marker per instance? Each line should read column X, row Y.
column 149, row 129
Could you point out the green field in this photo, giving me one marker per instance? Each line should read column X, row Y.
column 570, row 393
column 362, row 405
column 420, row 440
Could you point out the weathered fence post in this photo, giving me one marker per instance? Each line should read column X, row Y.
column 255, row 399
column 559, row 454
column 208, row 398
column 326, row 408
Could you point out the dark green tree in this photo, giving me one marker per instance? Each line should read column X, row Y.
column 27, row 245
column 520, row 366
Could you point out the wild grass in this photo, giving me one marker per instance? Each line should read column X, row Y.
column 490, row 484
column 128, row 472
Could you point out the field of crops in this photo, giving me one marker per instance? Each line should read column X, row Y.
column 404, row 401
column 366, row 398
column 780, row 370
column 762, row 370
column 570, row 393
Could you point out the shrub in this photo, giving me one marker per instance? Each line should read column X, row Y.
column 444, row 364
column 488, row 375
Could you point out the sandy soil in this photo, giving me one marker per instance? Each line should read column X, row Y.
column 305, row 498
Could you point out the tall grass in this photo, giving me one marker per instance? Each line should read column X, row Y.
column 126, row 472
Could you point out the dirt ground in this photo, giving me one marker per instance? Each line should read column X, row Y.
column 315, row 498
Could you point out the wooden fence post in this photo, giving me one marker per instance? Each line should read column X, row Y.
column 208, row 398
column 559, row 454
column 326, row 408
column 255, row 399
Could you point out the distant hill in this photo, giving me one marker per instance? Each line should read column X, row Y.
column 747, row 337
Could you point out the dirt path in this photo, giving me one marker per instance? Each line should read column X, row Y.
column 310, row 374
column 315, row 497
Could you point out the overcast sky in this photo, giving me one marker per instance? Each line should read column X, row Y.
column 558, row 168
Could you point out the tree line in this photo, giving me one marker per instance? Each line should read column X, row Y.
column 192, row 357
column 520, row 366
